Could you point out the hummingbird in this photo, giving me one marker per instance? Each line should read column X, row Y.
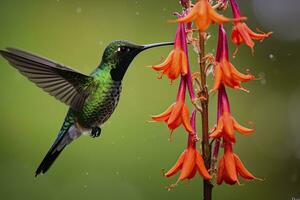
column 91, row 98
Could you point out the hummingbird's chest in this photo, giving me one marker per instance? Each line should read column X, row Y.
column 100, row 104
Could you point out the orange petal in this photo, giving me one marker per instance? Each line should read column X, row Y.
column 165, row 115
column 230, row 167
column 193, row 173
column 201, row 167
column 191, row 16
column 243, row 172
column 175, row 68
column 175, row 124
column 184, row 64
column 241, row 129
column 217, row 78
column 241, row 27
column 236, row 37
column 218, row 132
column 240, row 76
column 188, row 164
column 165, row 64
column 176, row 112
column 177, row 166
column 258, row 36
column 186, row 119
column 228, row 126
column 221, row 171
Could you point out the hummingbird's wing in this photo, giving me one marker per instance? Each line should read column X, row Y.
column 65, row 84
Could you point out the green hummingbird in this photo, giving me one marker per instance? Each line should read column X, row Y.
column 92, row 99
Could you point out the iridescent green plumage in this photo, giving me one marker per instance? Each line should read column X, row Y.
column 92, row 99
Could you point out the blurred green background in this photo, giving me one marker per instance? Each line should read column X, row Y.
column 126, row 161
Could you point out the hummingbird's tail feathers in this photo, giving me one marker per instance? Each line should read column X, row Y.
column 65, row 84
column 47, row 162
column 68, row 133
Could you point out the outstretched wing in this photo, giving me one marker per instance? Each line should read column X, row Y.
column 65, row 84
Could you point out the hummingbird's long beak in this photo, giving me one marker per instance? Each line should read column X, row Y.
column 148, row 46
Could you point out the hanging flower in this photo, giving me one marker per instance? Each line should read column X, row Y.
column 203, row 15
column 241, row 33
column 177, row 113
column 190, row 161
column 226, row 123
column 224, row 72
column 176, row 62
column 226, row 126
column 230, row 167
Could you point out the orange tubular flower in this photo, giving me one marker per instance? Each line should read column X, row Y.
column 226, row 73
column 203, row 14
column 175, row 115
column 230, row 167
column 176, row 62
column 226, row 126
column 241, row 33
column 189, row 162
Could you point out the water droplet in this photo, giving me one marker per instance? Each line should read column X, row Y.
column 78, row 10
column 87, row 173
column 271, row 56
column 137, row 13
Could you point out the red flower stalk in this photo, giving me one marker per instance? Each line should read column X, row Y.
column 190, row 161
column 241, row 33
column 203, row 15
column 176, row 62
column 177, row 113
column 226, row 123
column 225, row 73
column 230, row 167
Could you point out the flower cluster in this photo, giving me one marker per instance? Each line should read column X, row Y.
column 176, row 65
column 190, row 161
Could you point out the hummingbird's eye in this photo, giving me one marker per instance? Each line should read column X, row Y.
column 119, row 49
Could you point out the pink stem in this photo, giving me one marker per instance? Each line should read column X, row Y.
column 188, row 76
column 181, row 90
column 222, row 49
column 191, row 137
column 235, row 9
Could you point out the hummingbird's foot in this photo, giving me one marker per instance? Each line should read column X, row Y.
column 96, row 131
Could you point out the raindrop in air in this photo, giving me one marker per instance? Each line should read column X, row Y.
column 272, row 57
column 78, row 10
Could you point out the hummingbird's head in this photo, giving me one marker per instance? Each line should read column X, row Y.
column 119, row 54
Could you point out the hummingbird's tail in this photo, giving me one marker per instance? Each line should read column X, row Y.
column 66, row 135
